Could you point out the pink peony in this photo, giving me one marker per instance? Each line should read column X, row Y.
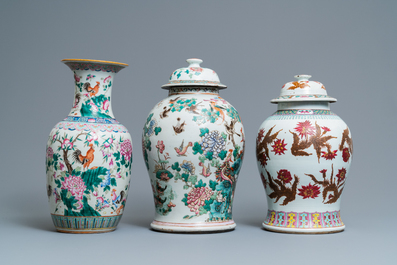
column 197, row 197
column 61, row 166
column 126, row 149
column 75, row 185
column 105, row 105
column 108, row 142
column 95, row 193
column 92, row 137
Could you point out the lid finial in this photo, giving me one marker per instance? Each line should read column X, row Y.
column 303, row 77
column 194, row 62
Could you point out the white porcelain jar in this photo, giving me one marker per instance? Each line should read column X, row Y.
column 304, row 152
column 193, row 146
column 89, row 155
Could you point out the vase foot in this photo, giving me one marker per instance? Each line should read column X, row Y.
column 85, row 231
column 193, row 227
column 325, row 230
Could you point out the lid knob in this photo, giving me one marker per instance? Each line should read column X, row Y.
column 194, row 62
column 303, row 77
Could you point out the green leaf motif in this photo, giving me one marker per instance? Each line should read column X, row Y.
column 149, row 118
column 197, row 148
column 200, row 184
column 185, row 187
column 185, row 177
column 203, row 131
column 176, row 167
column 222, row 154
column 213, row 184
column 58, row 182
column 192, row 179
column 91, row 177
column 209, row 155
column 106, row 188
column 113, row 182
column 117, row 156
column 157, row 130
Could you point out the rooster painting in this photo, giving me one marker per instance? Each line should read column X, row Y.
column 92, row 90
column 84, row 160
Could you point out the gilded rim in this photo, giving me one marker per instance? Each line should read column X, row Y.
column 93, row 61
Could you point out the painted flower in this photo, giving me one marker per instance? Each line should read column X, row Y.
column 197, row 197
column 341, row 175
column 106, row 181
column 305, row 129
column 196, row 69
column 309, row 191
column 79, row 205
column 160, row 146
column 279, row 147
column 329, row 155
column 76, row 78
column 213, row 142
column 126, row 149
column 66, row 144
column 95, row 193
column 284, row 175
column 50, row 152
column 92, row 137
column 323, row 171
column 62, row 166
column 188, row 166
column 108, row 142
column 111, row 163
column 75, row 185
column 118, row 176
column 105, row 105
column 170, row 205
column 260, row 134
column 298, row 84
column 345, row 154
column 326, row 129
column 164, row 176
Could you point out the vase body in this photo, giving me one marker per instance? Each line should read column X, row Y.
column 304, row 152
column 193, row 145
column 89, row 155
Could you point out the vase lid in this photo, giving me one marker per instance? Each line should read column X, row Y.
column 303, row 90
column 194, row 75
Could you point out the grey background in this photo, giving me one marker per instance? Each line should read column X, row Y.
column 255, row 47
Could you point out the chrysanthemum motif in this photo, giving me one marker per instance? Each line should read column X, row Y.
column 341, row 175
column 197, row 197
column 279, row 147
column 309, row 191
column 75, row 185
column 345, row 154
column 213, row 142
column 284, row 175
column 329, row 155
column 305, row 129
column 126, row 149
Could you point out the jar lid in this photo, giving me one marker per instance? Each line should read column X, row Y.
column 194, row 75
column 303, row 90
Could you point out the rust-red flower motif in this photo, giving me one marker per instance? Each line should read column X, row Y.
column 341, row 175
column 326, row 129
column 345, row 154
column 309, row 191
column 260, row 134
column 279, row 147
column 263, row 159
column 305, row 129
column 323, row 171
column 284, row 175
column 329, row 155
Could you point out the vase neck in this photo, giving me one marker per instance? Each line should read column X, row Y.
column 193, row 90
column 92, row 96
column 303, row 105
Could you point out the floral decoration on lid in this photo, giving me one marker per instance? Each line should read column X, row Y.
column 303, row 90
column 194, row 75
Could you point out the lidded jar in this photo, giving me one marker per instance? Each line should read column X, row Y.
column 193, row 146
column 304, row 152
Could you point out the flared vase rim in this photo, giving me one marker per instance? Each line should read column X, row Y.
column 94, row 61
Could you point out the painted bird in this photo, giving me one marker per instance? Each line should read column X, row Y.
column 181, row 151
column 206, row 172
column 92, row 90
column 117, row 199
column 84, row 160
column 219, row 109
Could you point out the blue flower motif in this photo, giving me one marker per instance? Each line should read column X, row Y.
column 187, row 165
column 106, row 181
column 213, row 142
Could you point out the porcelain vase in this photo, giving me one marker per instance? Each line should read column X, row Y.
column 304, row 152
column 193, row 146
column 89, row 155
